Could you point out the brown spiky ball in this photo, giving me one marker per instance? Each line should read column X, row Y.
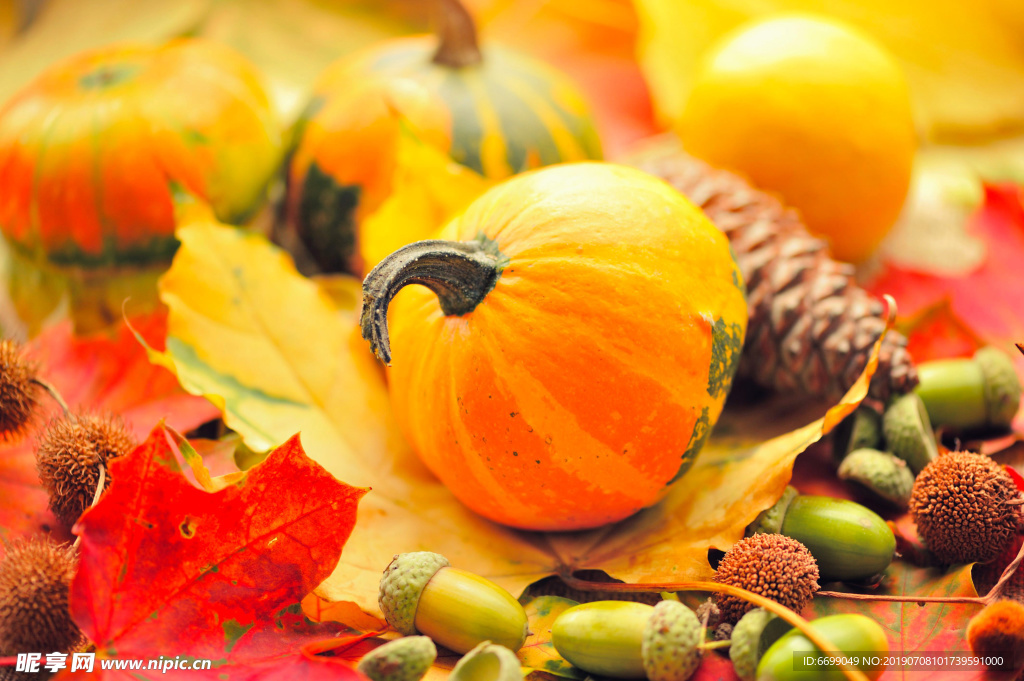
column 997, row 633
column 35, row 583
column 959, row 503
column 772, row 565
column 69, row 457
column 18, row 392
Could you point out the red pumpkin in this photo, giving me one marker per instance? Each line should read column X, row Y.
column 94, row 150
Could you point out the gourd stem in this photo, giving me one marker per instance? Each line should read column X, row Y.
column 460, row 273
column 458, row 46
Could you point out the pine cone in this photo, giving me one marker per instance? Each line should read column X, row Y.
column 811, row 327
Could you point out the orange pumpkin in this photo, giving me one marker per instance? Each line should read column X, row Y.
column 571, row 347
column 491, row 110
column 93, row 151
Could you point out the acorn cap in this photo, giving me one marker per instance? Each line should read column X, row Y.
column 772, row 565
column 1002, row 386
column 769, row 521
column 479, row 665
column 746, row 644
column 884, row 474
column 18, row 392
column 908, row 431
column 402, row 584
column 69, row 457
column 35, row 582
column 404, row 659
column 671, row 642
column 862, row 428
column 959, row 505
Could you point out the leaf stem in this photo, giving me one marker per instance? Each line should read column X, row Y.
column 822, row 643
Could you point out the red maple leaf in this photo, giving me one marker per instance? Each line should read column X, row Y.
column 105, row 374
column 169, row 569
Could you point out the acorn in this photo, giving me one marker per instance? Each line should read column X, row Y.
column 488, row 662
column 772, row 565
column 850, row 542
column 420, row 593
column 404, row 659
column 751, row 637
column 860, row 636
column 35, row 583
column 69, row 457
column 969, row 394
column 908, row 431
column 628, row 640
column 885, row 474
column 962, row 505
column 997, row 634
column 19, row 392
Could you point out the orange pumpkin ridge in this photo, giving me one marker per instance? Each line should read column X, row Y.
column 571, row 345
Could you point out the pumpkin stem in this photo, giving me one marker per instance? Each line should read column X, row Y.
column 457, row 32
column 460, row 273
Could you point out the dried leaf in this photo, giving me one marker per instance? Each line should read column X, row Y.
column 246, row 327
column 106, row 374
column 914, row 628
column 160, row 557
column 539, row 654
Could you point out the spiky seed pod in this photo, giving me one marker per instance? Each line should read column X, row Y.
column 997, row 632
column 811, row 327
column 959, row 503
column 19, row 395
column 772, row 565
column 69, row 457
column 35, row 580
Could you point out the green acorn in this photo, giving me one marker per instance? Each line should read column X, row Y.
column 968, row 394
column 420, row 593
column 627, row 640
column 751, row 637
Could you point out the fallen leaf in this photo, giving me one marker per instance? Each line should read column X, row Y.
column 986, row 303
column 168, row 567
column 538, row 653
column 918, row 629
column 271, row 348
column 106, row 374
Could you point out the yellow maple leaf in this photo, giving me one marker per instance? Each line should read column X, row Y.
column 279, row 356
